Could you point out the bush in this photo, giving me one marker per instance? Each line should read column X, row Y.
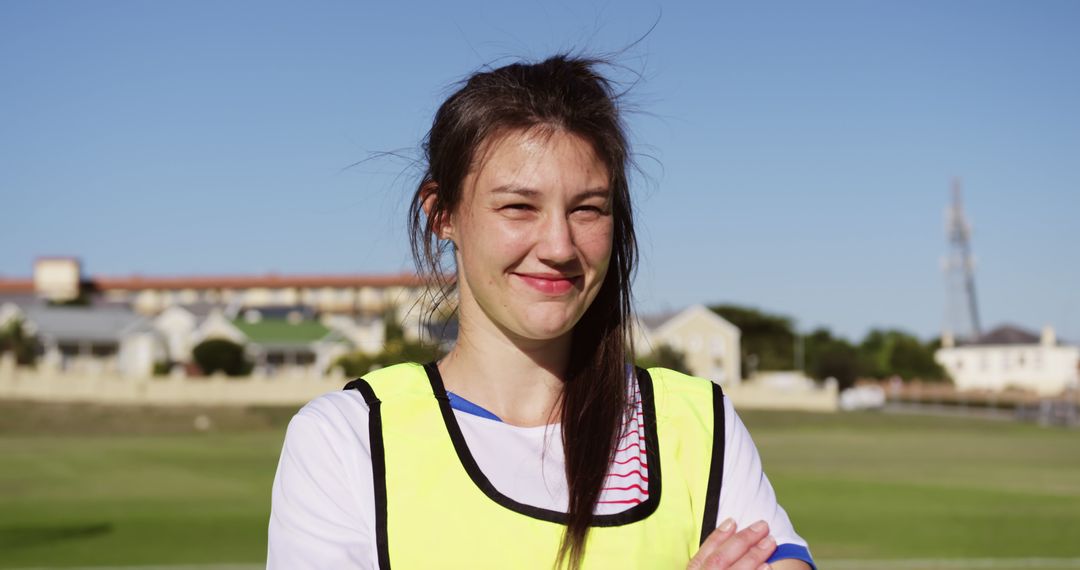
column 357, row 364
column 14, row 339
column 221, row 355
column 664, row 356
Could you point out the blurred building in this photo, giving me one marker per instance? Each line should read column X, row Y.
column 1011, row 357
column 60, row 280
column 709, row 343
column 129, row 325
column 89, row 341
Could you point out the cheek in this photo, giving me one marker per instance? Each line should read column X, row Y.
column 595, row 244
column 490, row 247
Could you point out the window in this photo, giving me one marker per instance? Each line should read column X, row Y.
column 103, row 349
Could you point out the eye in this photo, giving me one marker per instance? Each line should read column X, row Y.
column 589, row 211
column 516, row 211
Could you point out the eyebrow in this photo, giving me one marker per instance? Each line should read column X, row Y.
column 601, row 192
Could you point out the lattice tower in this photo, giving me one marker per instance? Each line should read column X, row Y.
column 961, row 305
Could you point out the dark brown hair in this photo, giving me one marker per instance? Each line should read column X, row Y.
column 562, row 93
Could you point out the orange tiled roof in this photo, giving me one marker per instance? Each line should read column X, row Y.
column 272, row 281
column 16, row 285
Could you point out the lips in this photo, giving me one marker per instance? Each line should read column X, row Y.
column 549, row 284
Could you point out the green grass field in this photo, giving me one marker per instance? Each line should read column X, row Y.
column 77, row 488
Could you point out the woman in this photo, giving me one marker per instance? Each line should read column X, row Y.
column 532, row 444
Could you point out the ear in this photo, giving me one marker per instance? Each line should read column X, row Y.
column 442, row 223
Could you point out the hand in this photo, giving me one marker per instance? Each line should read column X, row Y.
column 725, row 549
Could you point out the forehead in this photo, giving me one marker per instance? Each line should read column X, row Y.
column 546, row 160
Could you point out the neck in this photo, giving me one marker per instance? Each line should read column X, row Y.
column 519, row 380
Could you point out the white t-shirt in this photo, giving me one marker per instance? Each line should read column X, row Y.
column 323, row 505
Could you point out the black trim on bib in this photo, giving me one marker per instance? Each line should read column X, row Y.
column 652, row 456
column 716, row 468
column 378, row 467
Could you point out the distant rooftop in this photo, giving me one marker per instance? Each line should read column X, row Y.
column 280, row 331
column 270, row 281
column 95, row 324
column 9, row 285
column 655, row 320
column 14, row 286
column 1006, row 335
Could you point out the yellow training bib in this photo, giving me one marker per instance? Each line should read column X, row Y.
column 436, row 509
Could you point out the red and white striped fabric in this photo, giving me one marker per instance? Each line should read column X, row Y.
column 627, row 482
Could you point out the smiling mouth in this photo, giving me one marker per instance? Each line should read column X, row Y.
column 549, row 284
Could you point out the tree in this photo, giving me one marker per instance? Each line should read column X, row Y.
column 664, row 356
column 831, row 357
column 392, row 329
column 896, row 353
column 221, row 355
column 768, row 338
column 15, row 339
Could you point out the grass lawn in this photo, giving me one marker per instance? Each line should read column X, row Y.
column 79, row 488
column 869, row 486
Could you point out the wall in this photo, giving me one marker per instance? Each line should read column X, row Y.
column 25, row 384
column 761, row 395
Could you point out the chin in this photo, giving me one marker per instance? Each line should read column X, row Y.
column 547, row 326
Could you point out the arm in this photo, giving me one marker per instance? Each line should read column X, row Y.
column 747, row 496
column 790, row 564
column 319, row 513
column 746, row 549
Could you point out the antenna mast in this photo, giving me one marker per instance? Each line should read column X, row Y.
column 959, row 269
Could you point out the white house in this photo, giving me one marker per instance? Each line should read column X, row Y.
column 366, row 334
column 92, row 340
column 709, row 342
column 1011, row 357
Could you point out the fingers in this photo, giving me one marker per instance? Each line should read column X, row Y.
column 712, row 543
column 756, row 555
column 747, row 549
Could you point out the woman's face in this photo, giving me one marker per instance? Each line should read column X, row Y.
column 533, row 233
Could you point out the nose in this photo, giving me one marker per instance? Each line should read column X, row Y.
column 555, row 244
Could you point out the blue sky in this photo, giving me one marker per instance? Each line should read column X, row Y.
column 797, row 156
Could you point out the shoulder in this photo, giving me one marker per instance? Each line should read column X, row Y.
column 341, row 415
column 393, row 382
column 678, row 394
column 345, row 413
column 674, row 381
column 699, row 405
column 330, row 435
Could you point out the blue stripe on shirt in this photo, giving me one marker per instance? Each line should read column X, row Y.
column 792, row 551
column 461, row 404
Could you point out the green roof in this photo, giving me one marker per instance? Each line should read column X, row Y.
column 277, row 331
